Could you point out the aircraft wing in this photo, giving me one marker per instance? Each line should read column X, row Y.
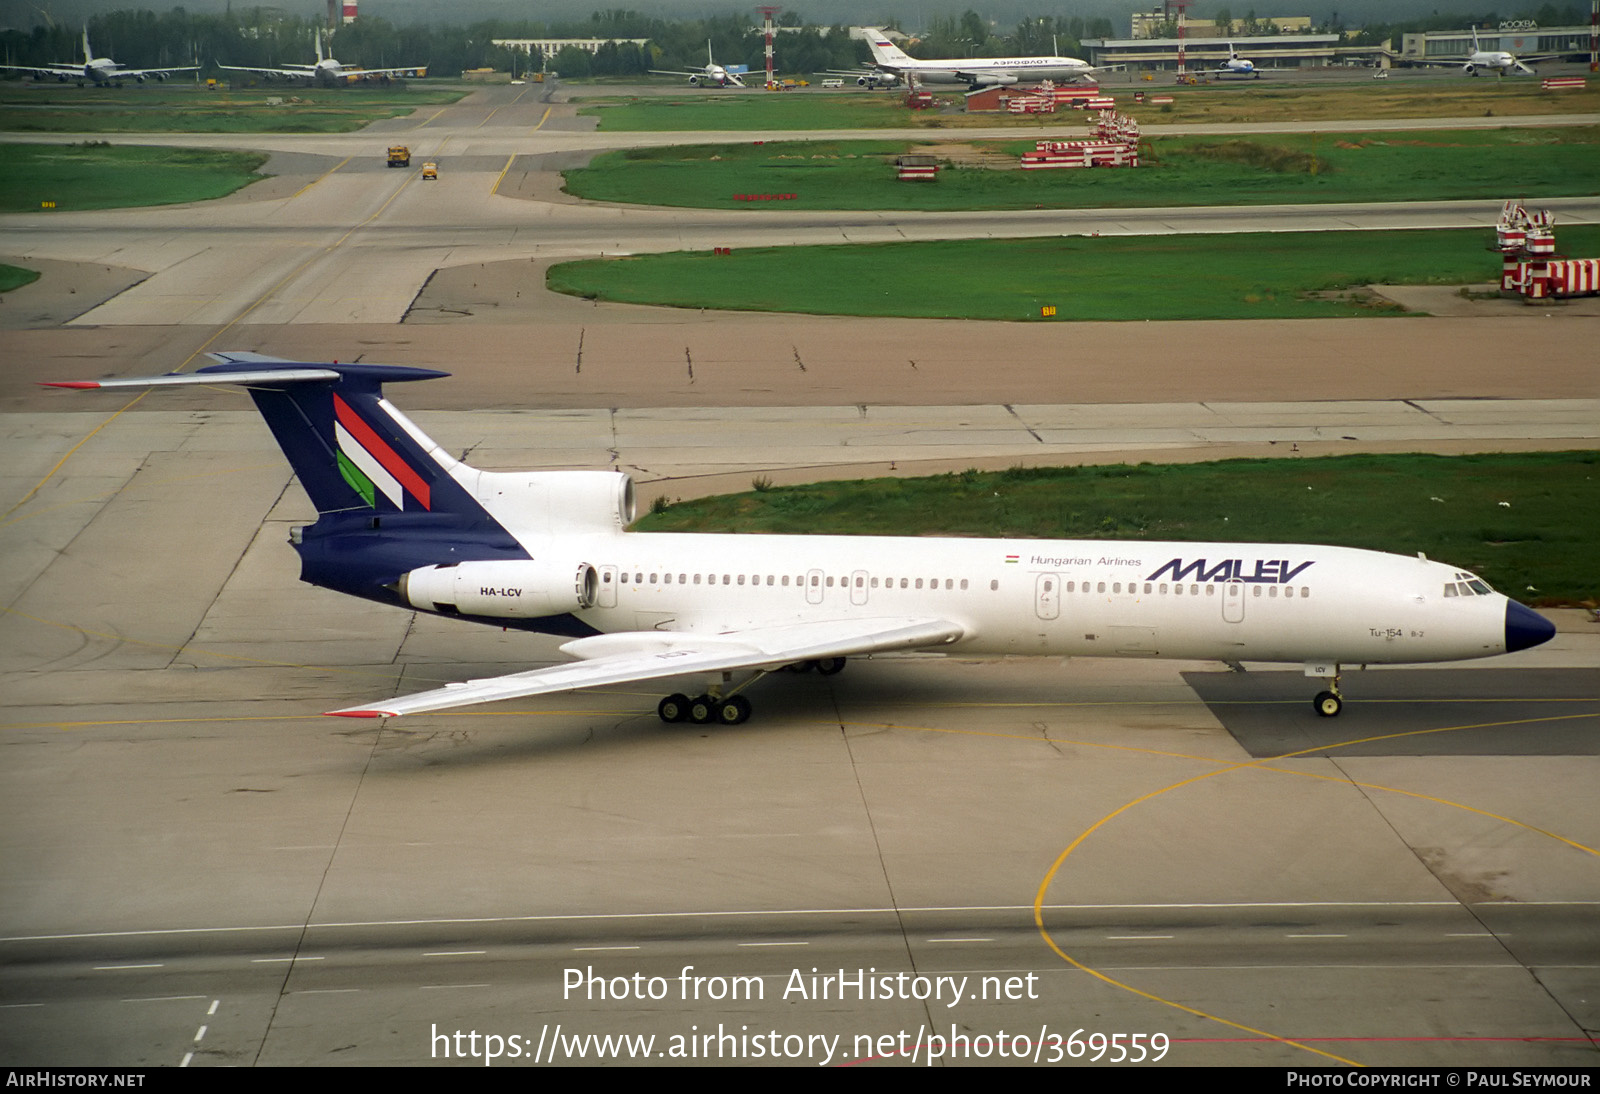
column 141, row 73
column 53, row 70
column 300, row 72
column 361, row 73
column 652, row 655
column 979, row 77
column 673, row 72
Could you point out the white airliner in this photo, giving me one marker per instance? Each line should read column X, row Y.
column 1497, row 61
column 1236, row 65
column 326, row 70
column 975, row 72
column 403, row 523
column 101, row 70
column 713, row 75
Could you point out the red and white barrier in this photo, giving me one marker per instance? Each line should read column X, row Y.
column 1529, row 266
column 1574, row 276
column 1561, row 83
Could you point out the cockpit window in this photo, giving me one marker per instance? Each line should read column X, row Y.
column 1466, row 584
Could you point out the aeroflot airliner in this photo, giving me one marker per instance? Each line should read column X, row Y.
column 401, row 522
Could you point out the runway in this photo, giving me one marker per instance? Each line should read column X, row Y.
column 201, row 870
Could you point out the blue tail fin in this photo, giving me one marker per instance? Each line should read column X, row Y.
column 352, row 451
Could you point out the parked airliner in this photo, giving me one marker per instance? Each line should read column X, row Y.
column 100, row 70
column 327, row 70
column 1498, row 61
column 403, row 523
column 1236, row 65
column 713, row 75
column 973, row 71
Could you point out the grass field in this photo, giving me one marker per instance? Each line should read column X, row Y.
column 14, row 277
column 99, row 176
column 1288, row 168
column 1279, row 275
column 1540, row 549
column 1273, row 99
column 188, row 109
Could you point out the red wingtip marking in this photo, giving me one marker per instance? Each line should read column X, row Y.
column 69, row 383
column 360, row 714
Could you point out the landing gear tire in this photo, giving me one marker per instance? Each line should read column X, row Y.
column 703, row 710
column 673, row 709
column 735, row 710
column 830, row 666
column 1327, row 704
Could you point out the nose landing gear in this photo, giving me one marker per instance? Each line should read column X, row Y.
column 1329, row 703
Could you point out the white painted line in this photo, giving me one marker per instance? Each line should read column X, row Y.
column 456, row 953
column 606, row 916
column 1316, row 936
column 164, row 999
column 600, row 949
column 1138, row 937
column 450, row 987
column 213, row 1009
column 18, row 1006
column 200, row 1033
column 114, row 968
column 959, row 940
column 755, row 945
column 282, row 960
column 187, row 1056
column 326, row 991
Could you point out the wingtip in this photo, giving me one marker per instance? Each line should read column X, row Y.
column 360, row 714
column 70, row 383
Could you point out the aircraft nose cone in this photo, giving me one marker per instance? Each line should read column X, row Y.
column 1526, row 628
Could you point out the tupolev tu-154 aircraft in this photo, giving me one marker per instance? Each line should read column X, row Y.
column 401, row 522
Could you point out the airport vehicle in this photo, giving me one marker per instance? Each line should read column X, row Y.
column 1236, row 65
column 1497, row 61
column 713, row 75
column 975, row 72
column 327, row 71
column 403, row 523
column 99, row 70
column 832, row 82
column 430, row 172
column 399, row 156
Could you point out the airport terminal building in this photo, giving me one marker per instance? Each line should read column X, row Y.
column 1267, row 51
column 1450, row 45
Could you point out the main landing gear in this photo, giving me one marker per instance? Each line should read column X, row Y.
column 732, row 710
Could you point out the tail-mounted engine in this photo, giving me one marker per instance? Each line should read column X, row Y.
column 520, row 589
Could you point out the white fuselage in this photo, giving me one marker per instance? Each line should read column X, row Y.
column 991, row 70
column 1102, row 598
column 1105, row 598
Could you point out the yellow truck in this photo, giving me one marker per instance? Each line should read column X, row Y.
column 399, row 156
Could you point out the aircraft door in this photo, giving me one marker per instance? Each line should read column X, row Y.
column 813, row 586
column 1233, row 601
column 858, row 587
column 1047, row 596
column 608, row 587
